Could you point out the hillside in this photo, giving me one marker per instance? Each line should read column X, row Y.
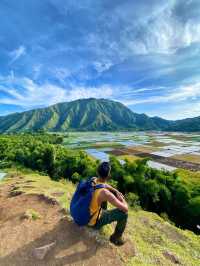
column 32, row 216
column 91, row 115
column 85, row 114
column 188, row 124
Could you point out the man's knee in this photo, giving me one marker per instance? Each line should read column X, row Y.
column 123, row 215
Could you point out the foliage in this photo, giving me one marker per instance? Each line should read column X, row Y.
column 42, row 153
column 159, row 191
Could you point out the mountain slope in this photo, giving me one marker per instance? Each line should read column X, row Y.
column 85, row 114
column 90, row 114
column 188, row 124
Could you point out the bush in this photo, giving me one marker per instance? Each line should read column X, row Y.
column 133, row 200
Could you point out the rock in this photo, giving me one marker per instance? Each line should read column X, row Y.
column 15, row 193
column 57, row 194
column 41, row 252
column 25, row 216
column 48, row 199
column 63, row 211
column 169, row 255
column 129, row 249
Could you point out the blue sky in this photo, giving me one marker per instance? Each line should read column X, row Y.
column 144, row 53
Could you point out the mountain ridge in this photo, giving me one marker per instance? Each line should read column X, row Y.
column 91, row 114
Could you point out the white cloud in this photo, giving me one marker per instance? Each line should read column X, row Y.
column 102, row 66
column 103, row 91
column 164, row 33
column 16, row 54
column 180, row 94
column 32, row 94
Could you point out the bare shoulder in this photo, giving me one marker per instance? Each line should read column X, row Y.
column 105, row 193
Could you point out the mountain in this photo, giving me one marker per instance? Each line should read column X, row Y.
column 90, row 114
column 186, row 125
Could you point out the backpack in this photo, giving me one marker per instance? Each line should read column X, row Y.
column 80, row 203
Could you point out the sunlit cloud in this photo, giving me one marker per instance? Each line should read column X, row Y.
column 33, row 94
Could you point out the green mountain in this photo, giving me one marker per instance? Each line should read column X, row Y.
column 90, row 114
column 188, row 125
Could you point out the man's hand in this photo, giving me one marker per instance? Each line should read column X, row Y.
column 118, row 194
column 116, row 200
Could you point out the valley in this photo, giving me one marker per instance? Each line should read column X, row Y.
column 167, row 151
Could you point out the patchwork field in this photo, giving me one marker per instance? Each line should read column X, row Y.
column 165, row 150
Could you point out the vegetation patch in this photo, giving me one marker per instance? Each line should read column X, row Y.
column 129, row 158
column 31, row 215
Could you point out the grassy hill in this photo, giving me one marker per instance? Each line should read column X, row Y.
column 85, row 114
column 151, row 240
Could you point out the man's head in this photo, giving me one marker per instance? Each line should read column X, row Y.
column 104, row 170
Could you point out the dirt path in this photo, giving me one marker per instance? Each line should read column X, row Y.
column 19, row 237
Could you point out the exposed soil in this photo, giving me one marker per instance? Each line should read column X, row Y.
column 19, row 237
column 160, row 159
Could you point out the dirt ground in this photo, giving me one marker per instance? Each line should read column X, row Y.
column 19, row 236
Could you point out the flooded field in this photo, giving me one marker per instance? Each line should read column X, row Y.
column 166, row 150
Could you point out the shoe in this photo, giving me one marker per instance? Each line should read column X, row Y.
column 118, row 241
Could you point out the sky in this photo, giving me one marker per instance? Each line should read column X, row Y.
column 145, row 54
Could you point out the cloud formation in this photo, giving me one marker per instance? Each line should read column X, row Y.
column 143, row 54
column 32, row 94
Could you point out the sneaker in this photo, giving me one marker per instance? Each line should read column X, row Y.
column 118, row 241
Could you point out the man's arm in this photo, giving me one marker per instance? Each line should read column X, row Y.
column 106, row 195
column 118, row 194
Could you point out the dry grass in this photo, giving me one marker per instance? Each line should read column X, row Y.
column 188, row 157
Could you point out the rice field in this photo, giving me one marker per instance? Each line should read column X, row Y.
column 177, row 147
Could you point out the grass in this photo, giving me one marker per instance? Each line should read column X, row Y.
column 189, row 177
column 188, row 157
column 35, row 183
column 32, row 214
column 129, row 157
column 150, row 234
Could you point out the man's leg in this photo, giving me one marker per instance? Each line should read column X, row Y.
column 110, row 216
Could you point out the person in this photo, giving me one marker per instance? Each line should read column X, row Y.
column 100, row 216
